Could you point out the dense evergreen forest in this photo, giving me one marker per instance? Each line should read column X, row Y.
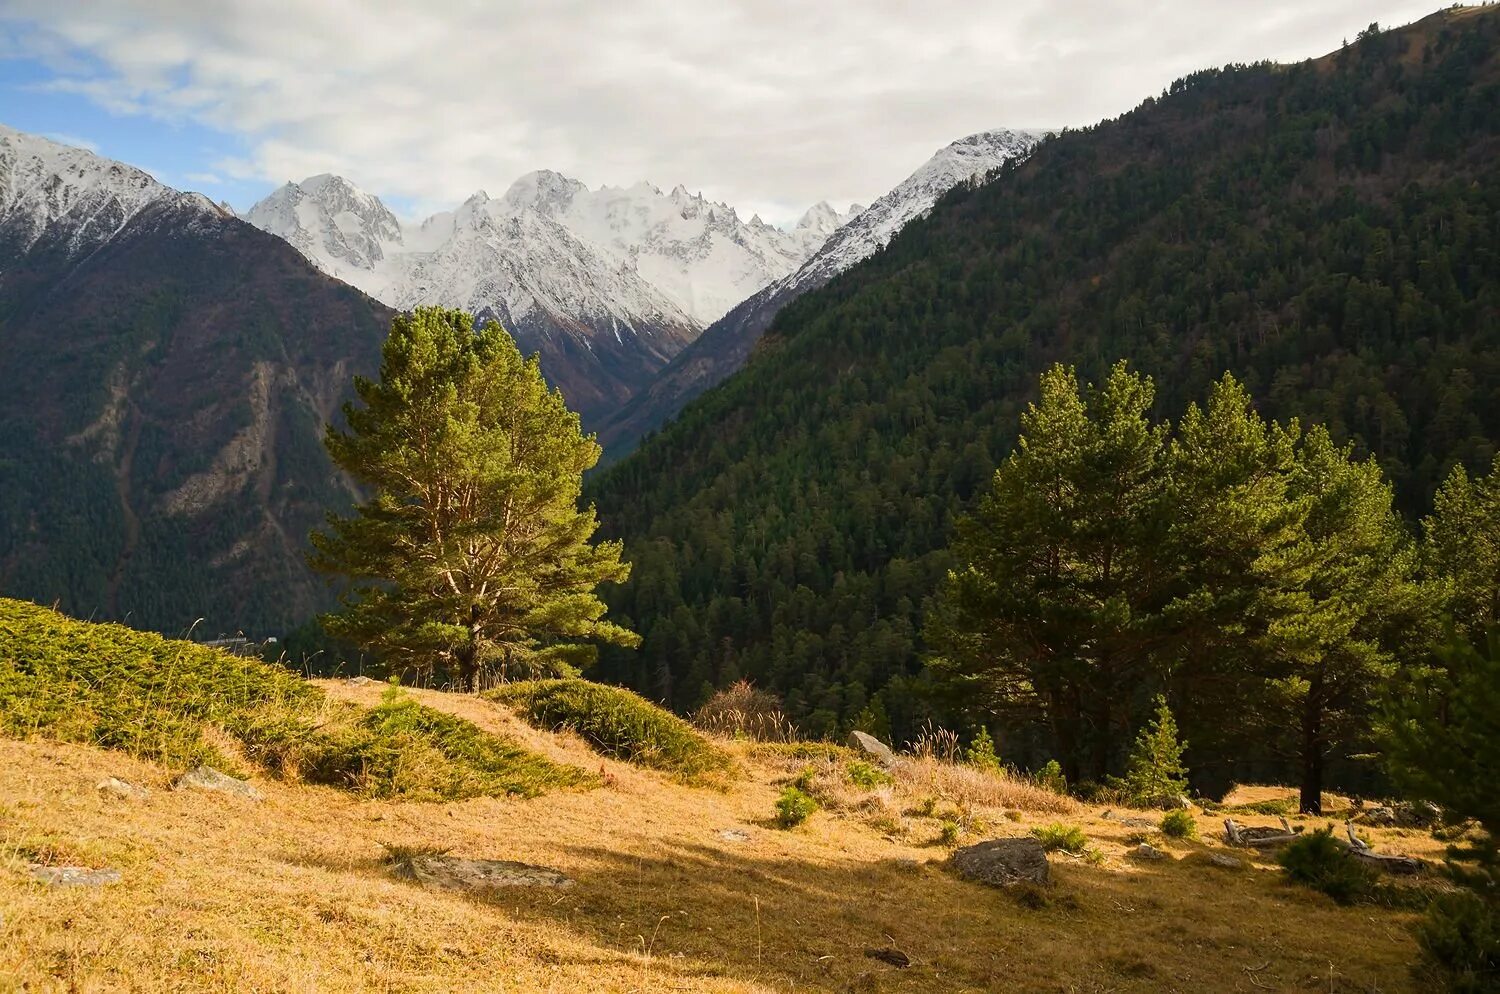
column 1328, row 232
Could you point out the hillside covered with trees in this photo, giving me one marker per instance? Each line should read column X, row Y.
column 1327, row 232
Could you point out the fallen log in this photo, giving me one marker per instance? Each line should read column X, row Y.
column 1258, row 838
column 1360, row 849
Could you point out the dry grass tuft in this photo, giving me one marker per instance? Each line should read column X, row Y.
column 978, row 788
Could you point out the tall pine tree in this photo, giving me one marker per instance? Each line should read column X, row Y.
column 473, row 551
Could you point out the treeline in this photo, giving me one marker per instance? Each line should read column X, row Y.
column 1328, row 232
column 1254, row 571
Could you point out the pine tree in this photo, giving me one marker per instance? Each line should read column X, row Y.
column 472, row 551
column 1156, row 776
column 1053, row 608
column 1461, row 548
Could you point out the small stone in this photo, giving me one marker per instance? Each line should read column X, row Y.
column 360, row 681
column 73, row 876
column 208, row 778
column 120, row 788
column 1003, row 862
column 894, row 957
column 1138, row 823
column 872, row 747
column 734, row 835
column 1227, row 862
column 458, row 873
column 1147, row 851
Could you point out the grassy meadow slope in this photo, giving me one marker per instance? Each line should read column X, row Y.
column 678, row 887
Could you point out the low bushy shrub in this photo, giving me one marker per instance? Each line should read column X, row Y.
column 794, row 807
column 981, row 754
column 618, row 723
column 744, row 711
column 1460, row 940
column 1050, row 777
column 1320, row 861
column 169, row 700
column 863, row 774
column 1069, row 838
column 1179, row 824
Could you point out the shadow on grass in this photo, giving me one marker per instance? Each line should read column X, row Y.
column 683, row 912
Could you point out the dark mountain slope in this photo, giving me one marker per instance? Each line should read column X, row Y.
column 1330, row 231
column 162, row 397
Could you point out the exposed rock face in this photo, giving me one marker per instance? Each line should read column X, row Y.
column 208, row 778
column 458, row 873
column 1002, row 862
column 872, row 747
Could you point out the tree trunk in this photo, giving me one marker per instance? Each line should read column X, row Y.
column 468, row 655
column 1312, row 747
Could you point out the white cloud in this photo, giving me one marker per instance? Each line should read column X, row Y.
column 210, row 179
column 769, row 104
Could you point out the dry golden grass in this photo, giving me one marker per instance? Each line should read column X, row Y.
column 291, row 894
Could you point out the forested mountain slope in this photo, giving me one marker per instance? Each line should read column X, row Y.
column 166, row 371
column 1329, row 231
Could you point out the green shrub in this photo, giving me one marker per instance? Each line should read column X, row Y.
column 156, row 698
column 981, row 752
column 618, row 723
column 949, row 832
column 863, row 774
column 1179, row 824
column 1320, row 861
column 1069, row 838
column 404, row 749
column 793, row 807
column 1460, row 940
column 1051, row 777
column 1155, row 776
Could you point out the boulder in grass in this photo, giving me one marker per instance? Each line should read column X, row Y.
column 115, row 787
column 1003, row 862
column 445, row 872
column 73, row 876
column 868, row 745
column 208, row 778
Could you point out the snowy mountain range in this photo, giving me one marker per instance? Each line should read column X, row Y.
column 70, row 199
column 725, row 345
column 607, row 284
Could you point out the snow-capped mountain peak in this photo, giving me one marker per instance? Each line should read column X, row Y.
column 684, row 257
column 56, row 191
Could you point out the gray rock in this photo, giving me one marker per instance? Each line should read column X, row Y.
column 458, row 873
column 1227, row 862
column 116, row 787
column 1418, row 814
column 1002, row 862
column 208, row 778
column 1139, row 823
column 872, row 747
column 360, row 681
column 73, row 876
column 1379, row 815
column 734, row 835
column 1147, row 851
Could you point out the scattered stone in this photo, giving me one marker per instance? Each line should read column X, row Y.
column 1183, row 803
column 872, row 747
column 1138, row 823
column 1147, row 851
column 120, row 788
column 1418, row 814
column 1002, row 862
column 73, row 876
column 894, row 957
column 458, row 873
column 208, row 778
column 734, row 835
column 360, row 681
column 1379, row 815
column 1227, row 862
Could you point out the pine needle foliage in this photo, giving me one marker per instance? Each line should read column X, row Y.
column 1156, row 776
column 473, row 552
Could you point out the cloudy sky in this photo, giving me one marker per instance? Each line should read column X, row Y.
column 768, row 104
